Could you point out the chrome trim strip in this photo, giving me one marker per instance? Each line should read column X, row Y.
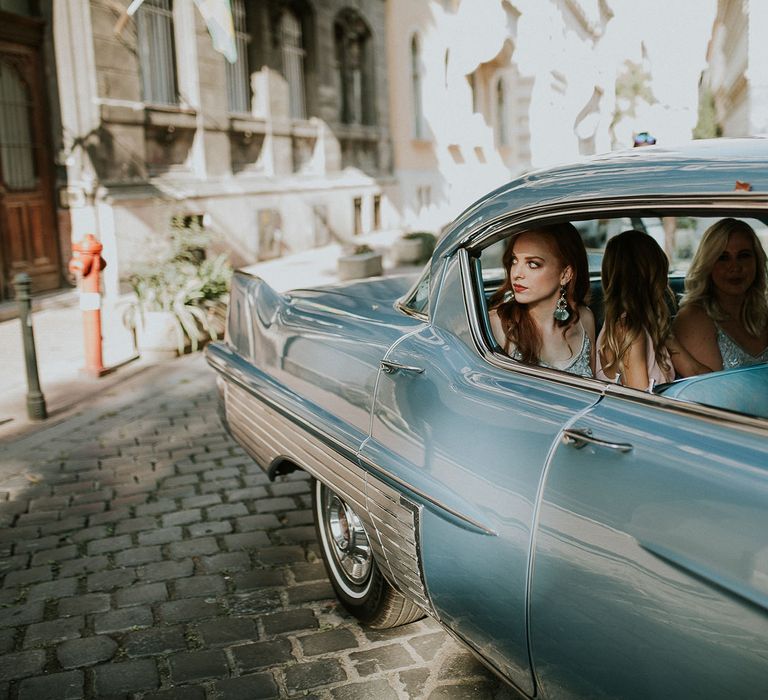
column 390, row 521
column 712, row 414
column 756, row 426
column 429, row 499
column 400, row 306
column 224, row 360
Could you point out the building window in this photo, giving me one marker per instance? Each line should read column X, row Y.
column 357, row 203
column 20, row 7
column 423, row 197
column 472, row 80
column 354, row 64
column 376, row 212
column 293, row 63
column 418, row 113
column 154, row 27
column 17, row 150
column 238, row 73
column 501, row 114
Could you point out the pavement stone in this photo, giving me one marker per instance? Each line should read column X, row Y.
column 16, row 615
column 314, row 674
column 83, row 604
column 53, row 631
column 252, row 687
column 123, row 619
column 200, row 585
column 143, row 555
column 126, row 677
column 86, row 651
column 198, row 665
column 60, row 686
column 258, row 655
column 225, row 631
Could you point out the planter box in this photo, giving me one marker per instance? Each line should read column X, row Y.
column 408, row 250
column 352, row 267
column 413, row 250
column 156, row 335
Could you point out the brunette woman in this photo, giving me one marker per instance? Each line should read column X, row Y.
column 539, row 315
column 636, row 347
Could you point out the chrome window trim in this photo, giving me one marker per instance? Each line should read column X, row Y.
column 732, row 202
column 400, row 306
column 216, row 355
column 402, row 303
column 711, row 414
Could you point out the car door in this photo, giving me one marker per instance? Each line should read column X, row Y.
column 466, row 442
column 650, row 576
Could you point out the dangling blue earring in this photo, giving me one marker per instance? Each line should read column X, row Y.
column 509, row 295
column 561, row 312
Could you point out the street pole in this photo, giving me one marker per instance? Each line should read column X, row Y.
column 35, row 400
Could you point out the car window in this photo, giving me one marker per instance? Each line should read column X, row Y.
column 679, row 236
column 417, row 300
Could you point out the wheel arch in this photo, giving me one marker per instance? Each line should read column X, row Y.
column 282, row 465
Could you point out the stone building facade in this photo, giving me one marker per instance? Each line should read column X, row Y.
column 339, row 117
column 484, row 90
column 736, row 77
column 286, row 149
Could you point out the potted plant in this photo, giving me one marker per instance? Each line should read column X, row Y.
column 359, row 261
column 413, row 248
column 178, row 304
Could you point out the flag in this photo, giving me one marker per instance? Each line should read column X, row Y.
column 126, row 15
column 218, row 18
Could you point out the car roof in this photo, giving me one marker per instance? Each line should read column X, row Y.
column 698, row 167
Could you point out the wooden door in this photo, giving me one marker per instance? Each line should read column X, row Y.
column 28, row 238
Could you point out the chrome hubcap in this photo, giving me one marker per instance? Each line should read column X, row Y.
column 349, row 542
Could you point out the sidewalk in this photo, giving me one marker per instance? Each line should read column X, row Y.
column 59, row 339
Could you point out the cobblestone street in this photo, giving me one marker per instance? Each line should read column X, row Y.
column 144, row 555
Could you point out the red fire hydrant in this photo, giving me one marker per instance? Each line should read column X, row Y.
column 86, row 264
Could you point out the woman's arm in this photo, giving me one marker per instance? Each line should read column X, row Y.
column 697, row 334
column 497, row 328
column 635, row 372
column 684, row 363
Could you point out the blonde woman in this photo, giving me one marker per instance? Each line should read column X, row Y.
column 539, row 315
column 636, row 347
column 723, row 319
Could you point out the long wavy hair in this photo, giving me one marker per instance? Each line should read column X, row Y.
column 699, row 288
column 636, row 298
column 519, row 327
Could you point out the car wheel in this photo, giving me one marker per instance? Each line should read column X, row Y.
column 348, row 557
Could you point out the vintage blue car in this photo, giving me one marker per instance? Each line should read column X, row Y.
column 584, row 539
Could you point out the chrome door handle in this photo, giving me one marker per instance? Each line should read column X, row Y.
column 391, row 367
column 578, row 438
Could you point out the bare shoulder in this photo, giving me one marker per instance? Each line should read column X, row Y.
column 693, row 317
column 692, row 312
column 587, row 319
column 496, row 327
